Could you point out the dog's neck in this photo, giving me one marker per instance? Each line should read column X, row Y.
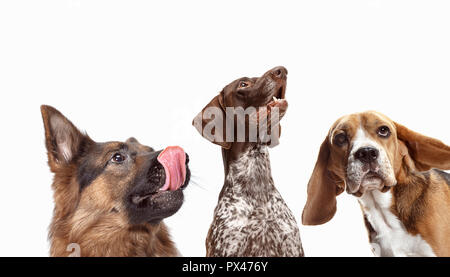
column 391, row 217
column 118, row 241
column 232, row 154
column 248, row 172
column 408, row 196
column 404, row 198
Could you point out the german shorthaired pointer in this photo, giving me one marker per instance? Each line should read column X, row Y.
column 251, row 218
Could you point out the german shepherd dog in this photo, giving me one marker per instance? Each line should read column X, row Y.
column 110, row 198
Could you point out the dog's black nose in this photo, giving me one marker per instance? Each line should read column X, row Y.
column 367, row 154
column 280, row 72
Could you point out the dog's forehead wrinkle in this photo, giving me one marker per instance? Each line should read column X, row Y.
column 143, row 154
column 245, row 79
column 378, row 115
column 111, row 146
column 377, row 119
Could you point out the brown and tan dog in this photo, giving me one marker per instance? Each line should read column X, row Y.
column 110, row 198
column 393, row 172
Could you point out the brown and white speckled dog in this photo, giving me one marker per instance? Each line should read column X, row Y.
column 111, row 198
column 251, row 218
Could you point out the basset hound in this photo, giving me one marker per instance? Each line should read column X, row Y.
column 396, row 175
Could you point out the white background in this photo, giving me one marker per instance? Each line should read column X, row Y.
column 139, row 68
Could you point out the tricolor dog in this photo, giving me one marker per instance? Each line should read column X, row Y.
column 251, row 218
column 111, row 197
column 396, row 175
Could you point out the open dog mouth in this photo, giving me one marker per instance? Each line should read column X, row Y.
column 168, row 175
column 278, row 101
column 263, row 115
column 278, row 98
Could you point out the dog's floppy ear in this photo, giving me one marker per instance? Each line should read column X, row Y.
column 425, row 152
column 323, row 187
column 211, row 122
column 63, row 140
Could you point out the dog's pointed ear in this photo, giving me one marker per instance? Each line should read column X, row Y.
column 425, row 152
column 63, row 140
column 211, row 122
column 323, row 187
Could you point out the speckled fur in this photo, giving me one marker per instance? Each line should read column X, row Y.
column 251, row 218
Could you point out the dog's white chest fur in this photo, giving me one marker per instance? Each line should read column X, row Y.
column 251, row 218
column 391, row 238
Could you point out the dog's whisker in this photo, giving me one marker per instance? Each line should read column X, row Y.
column 198, row 178
column 195, row 172
column 198, row 185
column 198, row 181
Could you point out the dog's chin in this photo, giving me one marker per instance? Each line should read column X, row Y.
column 370, row 182
column 156, row 207
column 164, row 204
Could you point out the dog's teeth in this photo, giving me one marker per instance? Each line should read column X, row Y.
column 275, row 99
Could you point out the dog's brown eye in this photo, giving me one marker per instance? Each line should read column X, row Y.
column 243, row 84
column 118, row 158
column 384, row 131
column 340, row 139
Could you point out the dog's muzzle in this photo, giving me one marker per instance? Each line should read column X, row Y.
column 368, row 169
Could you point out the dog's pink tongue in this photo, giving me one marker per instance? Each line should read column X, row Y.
column 173, row 159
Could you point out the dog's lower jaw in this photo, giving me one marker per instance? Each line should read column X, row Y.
column 381, row 182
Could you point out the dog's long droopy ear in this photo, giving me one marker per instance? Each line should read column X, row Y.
column 62, row 139
column 211, row 122
column 426, row 152
column 323, row 187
